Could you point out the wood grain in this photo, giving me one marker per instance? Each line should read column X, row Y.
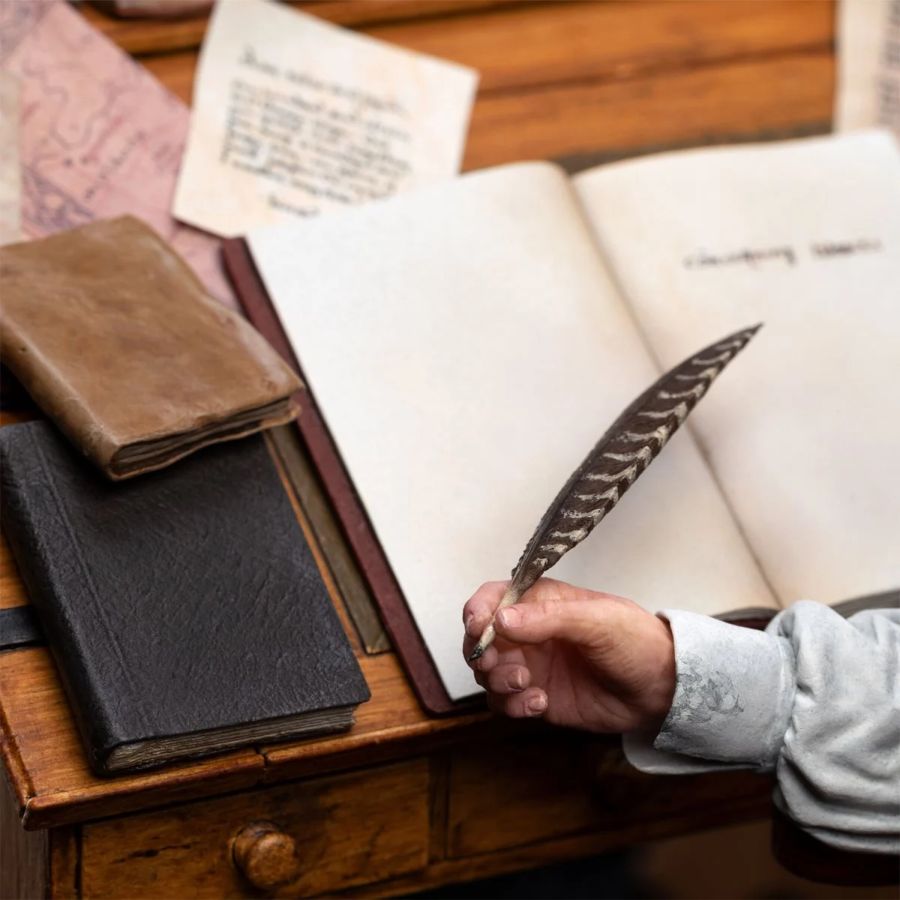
column 531, row 44
column 65, row 862
column 48, row 768
column 12, row 591
column 579, row 783
column 538, row 45
column 681, row 108
column 24, row 856
column 623, row 103
column 349, row 830
column 147, row 36
column 532, row 856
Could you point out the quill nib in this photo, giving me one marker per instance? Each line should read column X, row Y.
column 632, row 442
column 510, row 597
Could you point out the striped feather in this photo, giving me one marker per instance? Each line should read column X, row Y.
column 621, row 455
column 632, row 442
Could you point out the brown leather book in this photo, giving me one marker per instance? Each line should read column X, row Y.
column 116, row 340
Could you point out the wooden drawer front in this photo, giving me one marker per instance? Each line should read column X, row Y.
column 349, row 830
column 512, row 793
column 509, row 793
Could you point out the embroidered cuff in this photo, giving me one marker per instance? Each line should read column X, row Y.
column 733, row 694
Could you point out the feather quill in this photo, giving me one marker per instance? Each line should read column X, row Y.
column 618, row 459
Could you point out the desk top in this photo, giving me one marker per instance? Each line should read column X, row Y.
column 583, row 82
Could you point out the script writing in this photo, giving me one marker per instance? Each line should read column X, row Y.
column 889, row 72
column 785, row 256
column 294, row 117
column 326, row 140
column 868, row 64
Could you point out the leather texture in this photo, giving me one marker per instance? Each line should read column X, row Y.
column 176, row 603
column 115, row 339
column 398, row 621
column 19, row 628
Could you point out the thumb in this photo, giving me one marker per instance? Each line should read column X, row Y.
column 576, row 621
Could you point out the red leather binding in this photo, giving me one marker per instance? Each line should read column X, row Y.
column 370, row 556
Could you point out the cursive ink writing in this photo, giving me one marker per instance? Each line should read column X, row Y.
column 827, row 249
column 744, row 257
column 327, row 141
column 785, row 256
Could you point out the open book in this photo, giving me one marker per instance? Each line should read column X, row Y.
column 467, row 345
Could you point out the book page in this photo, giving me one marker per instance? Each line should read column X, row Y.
column 467, row 349
column 868, row 45
column 802, row 430
column 293, row 116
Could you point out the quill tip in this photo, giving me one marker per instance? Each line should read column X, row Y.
column 476, row 653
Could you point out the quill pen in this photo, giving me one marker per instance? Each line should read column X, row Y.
column 632, row 442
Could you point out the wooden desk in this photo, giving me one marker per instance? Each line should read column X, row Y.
column 403, row 801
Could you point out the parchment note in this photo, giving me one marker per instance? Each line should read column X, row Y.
column 293, row 116
column 868, row 64
column 99, row 136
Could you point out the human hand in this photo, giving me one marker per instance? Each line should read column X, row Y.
column 576, row 657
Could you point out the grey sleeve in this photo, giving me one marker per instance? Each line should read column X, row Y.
column 815, row 697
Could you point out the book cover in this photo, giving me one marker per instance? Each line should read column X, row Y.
column 184, row 609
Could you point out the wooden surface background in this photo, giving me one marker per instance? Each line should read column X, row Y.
column 592, row 79
column 579, row 81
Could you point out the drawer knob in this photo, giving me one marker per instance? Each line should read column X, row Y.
column 265, row 855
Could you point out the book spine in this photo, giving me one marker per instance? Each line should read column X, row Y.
column 48, row 575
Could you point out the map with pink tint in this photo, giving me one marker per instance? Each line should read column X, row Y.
column 99, row 135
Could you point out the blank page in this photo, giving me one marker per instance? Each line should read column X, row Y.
column 805, row 237
column 467, row 348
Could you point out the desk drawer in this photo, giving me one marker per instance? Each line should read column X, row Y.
column 509, row 793
column 323, row 835
column 557, row 784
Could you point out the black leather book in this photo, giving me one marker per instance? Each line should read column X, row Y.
column 184, row 608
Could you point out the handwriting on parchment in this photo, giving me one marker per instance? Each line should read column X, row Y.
column 327, row 140
column 888, row 85
column 782, row 256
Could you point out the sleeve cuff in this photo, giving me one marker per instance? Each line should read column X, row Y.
column 734, row 692
column 640, row 753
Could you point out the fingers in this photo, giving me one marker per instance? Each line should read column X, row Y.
column 477, row 615
column 481, row 605
column 507, row 678
column 578, row 621
column 528, row 704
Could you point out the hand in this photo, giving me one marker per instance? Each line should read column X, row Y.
column 576, row 657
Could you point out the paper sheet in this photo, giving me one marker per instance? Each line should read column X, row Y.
column 466, row 361
column 802, row 429
column 10, row 168
column 99, row 135
column 868, row 43
column 293, row 116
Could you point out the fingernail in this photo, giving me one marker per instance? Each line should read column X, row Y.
column 468, row 622
column 536, row 705
column 509, row 618
column 517, row 680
